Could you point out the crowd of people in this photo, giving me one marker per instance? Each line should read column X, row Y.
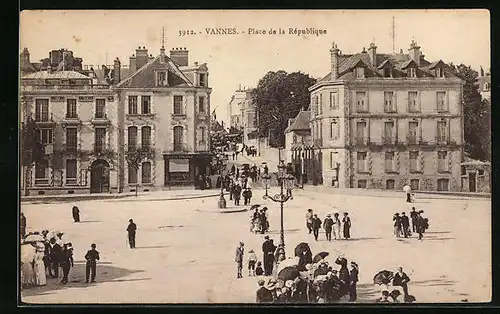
column 419, row 224
column 259, row 221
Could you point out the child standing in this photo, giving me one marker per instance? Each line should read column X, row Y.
column 252, row 260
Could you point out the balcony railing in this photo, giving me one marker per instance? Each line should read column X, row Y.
column 43, row 119
column 178, row 116
column 441, row 140
column 71, row 181
column 180, row 147
column 100, row 119
column 64, row 87
column 41, row 181
column 413, row 140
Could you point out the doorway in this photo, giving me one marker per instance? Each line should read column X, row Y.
column 472, row 182
column 99, row 176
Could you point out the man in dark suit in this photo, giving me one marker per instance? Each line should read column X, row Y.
column 328, row 225
column 76, row 214
column 263, row 294
column 316, row 225
column 268, row 249
column 91, row 257
column 401, row 279
column 353, row 281
column 55, row 256
column 405, row 223
column 131, row 233
column 414, row 218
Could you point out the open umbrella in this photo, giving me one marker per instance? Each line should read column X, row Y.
column 288, row 273
column 320, row 256
column 254, row 207
column 34, row 238
column 407, row 188
column 301, row 247
column 291, row 261
column 383, row 277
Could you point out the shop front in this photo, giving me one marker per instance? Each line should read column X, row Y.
column 184, row 169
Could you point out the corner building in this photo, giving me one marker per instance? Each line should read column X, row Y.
column 385, row 120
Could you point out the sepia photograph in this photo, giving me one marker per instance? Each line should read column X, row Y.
column 254, row 156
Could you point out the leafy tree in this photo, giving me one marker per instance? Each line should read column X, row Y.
column 32, row 149
column 278, row 97
column 477, row 114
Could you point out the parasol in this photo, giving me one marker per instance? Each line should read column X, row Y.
column 288, row 273
column 407, row 188
column 254, row 207
column 301, row 247
column 383, row 277
column 291, row 261
column 320, row 256
column 34, row 238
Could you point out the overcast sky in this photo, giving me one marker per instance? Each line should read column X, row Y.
column 458, row 36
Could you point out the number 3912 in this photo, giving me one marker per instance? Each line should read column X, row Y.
column 186, row 32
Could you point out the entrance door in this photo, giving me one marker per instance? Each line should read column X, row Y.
column 472, row 182
column 99, row 176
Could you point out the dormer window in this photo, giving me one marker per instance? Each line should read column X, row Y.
column 359, row 72
column 161, row 78
column 440, row 72
column 387, row 72
column 412, row 72
column 203, row 79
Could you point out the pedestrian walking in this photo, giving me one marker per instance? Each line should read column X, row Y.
column 405, row 223
column 39, row 265
column 76, row 214
column 239, row 259
column 91, row 257
column 346, row 223
column 131, row 229
column 420, row 222
column 23, row 226
column 55, row 257
column 401, row 279
column 247, row 195
column 397, row 225
column 266, row 170
column 237, row 194
column 316, row 224
column 309, row 217
column 264, row 222
column 414, row 218
column 328, row 225
column 66, row 262
column 252, row 260
column 336, row 227
column 407, row 190
column 354, row 277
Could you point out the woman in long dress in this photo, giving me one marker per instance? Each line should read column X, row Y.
column 39, row 265
column 27, row 263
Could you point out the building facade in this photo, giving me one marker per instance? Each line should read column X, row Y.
column 386, row 120
column 164, row 109
column 77, row 123
column 298, row 147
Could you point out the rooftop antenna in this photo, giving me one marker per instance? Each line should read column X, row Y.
column 393, row 34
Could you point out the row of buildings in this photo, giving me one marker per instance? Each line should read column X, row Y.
column 380, row 120
column 114, row 128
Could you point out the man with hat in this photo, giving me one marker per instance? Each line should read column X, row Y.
column 328, row 225
column 271, row 286
column 131, row 229
column 268, row 249
column 353, row 281
column 397, row 225
column 66, row 262
column 316, row 224
column 263, row 294
column 55, row 257
column 91, row 257
column 239, row 259
column 405, row 223
column 309, row 217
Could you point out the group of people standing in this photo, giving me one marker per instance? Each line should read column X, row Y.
column 340, row 228
column 419, row 224
column 259, row 222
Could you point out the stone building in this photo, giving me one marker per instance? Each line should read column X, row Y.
column 476, row 176
column 241, row 110
column 77, row 123
column 164, row 112
column 484, row 85
column 384, row 120
column 298, row 147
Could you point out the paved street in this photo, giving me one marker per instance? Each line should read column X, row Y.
column 185, row 250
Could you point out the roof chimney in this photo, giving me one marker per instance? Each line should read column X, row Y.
column 116, row 71
column 142, row 57
column 180, row 56
column 334, row 62
column 372, row 52
column 415, row 52
column 132, row 64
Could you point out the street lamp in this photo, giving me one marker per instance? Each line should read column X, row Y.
column 286, row 182
column 221, row 165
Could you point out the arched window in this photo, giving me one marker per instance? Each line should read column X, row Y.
column 146, row 172
column 146, row 137
column 178, row 137
column 132, row 137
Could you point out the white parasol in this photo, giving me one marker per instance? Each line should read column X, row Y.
column 34, row 238
column 292, row 261
column 407, row 188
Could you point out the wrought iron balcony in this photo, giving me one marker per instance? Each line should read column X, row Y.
column 413, row 140
column 100, row 119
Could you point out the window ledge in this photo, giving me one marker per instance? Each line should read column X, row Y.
column 444, row 171
column 416, row 171
column 363, row 172
column 392, row 172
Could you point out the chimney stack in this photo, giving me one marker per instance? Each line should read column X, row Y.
column 180, row 56
column 116, row 71
column 142, row 57
column 372, row 52
column 415, row 52
column 334, row 53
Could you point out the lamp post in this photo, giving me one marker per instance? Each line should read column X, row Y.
column 286, row 182
column 221, row 165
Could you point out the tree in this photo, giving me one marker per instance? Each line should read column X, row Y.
column 477, row 114
column 134, row 158
column 278, row 97
column 32, row 149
